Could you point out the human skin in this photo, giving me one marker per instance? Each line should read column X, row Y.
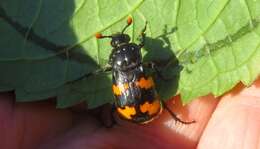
column 228, row 122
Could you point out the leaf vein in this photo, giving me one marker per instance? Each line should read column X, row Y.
column 79, row 8
column 177, row 16
column 208, row 27
column 216, row 75
column 96, row 42
column 36, row 16
column 231, row 46
column 249, row 71
column 249, row 13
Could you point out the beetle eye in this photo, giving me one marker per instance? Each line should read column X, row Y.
column 126, row 38
column 112, row 43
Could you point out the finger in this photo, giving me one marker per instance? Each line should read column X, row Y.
column 25, row 125
column 161, row 133
column 187, row 136
column 236, row 121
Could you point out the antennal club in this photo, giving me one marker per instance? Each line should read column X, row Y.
column 99, row 36
column 129, row 22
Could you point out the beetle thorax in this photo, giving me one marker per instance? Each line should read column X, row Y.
column 126, row 57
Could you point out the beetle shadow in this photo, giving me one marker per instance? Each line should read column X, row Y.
column 160, row 51
column 64, row 60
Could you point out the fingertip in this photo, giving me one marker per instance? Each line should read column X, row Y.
column 199, row 110
column 237, row 118
column 31, row 122
column 174, row 133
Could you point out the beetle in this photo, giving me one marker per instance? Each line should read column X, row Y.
column 136, row 98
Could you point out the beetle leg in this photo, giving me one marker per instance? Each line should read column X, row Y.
column 102, row 70
column 104, row 115
column 154, row 67
column 110, row 120
column 142, row 36
column 98, row 71
column 113, row 110
column 174, row 116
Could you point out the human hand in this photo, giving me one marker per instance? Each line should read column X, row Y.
column 231, row 121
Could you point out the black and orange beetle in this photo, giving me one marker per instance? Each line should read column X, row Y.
column 136, row 98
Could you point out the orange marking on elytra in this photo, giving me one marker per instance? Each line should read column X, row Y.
column 152, row 108
column 145, row 83
column 120, row 88
column 116, row 90
column 127, row 112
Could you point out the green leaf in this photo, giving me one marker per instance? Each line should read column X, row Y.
column 204, row 46
column 224, row 44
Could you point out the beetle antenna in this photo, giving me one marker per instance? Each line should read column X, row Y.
column 99, row 36
column 129, row 22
